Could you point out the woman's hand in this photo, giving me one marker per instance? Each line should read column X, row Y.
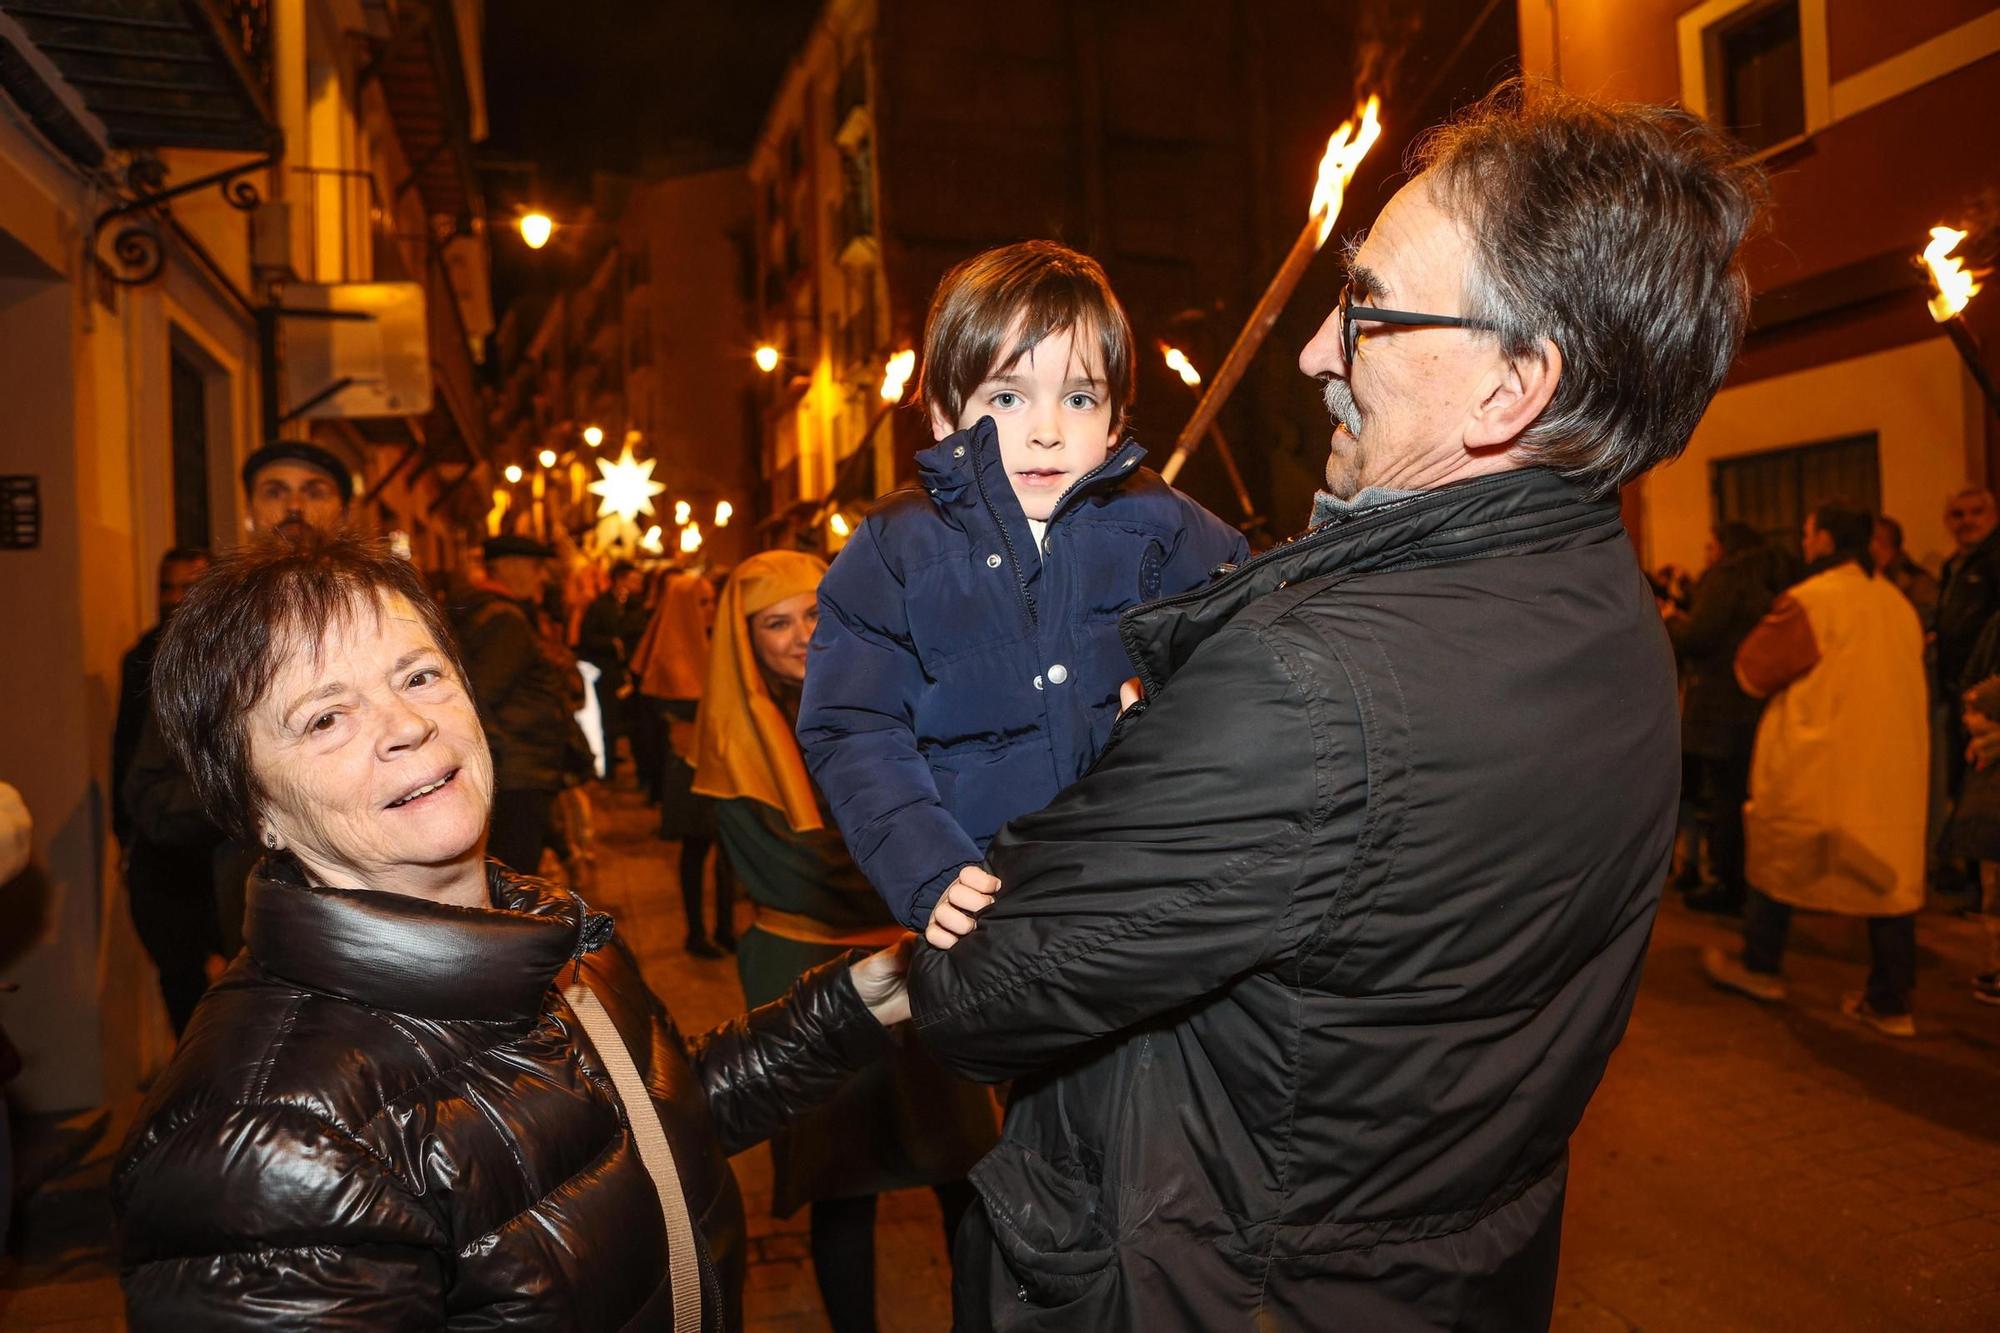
column 883, row 981
column 957, row 911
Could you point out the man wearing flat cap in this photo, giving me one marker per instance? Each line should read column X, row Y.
column 293, row 485
column 523, row 695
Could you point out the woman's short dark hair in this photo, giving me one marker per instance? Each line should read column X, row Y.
column 1025, row 292
column 1611, row 230
column 241, row 620
column 1851, row 528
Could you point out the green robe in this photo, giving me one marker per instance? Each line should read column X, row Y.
column 900, row 1123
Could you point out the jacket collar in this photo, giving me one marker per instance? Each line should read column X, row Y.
column 411, row 956
column 959, row 465
column 1507, row 512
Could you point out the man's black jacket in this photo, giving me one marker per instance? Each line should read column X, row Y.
column 1308, row 982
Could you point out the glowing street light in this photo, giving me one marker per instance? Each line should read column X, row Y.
column 690, row 539
column 897, row 374
column 683, row 511
column 513, row 472
column 1178, row 363
column 724, row 511
column 767, row 358
column 651, row 541
column 547, row 458
column 536, row 228
column 841, row 527
column 593, row 436
column 626, row 487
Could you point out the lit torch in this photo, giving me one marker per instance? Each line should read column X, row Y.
column 1344, row 152
column 1178, row 363
column 1954, row 285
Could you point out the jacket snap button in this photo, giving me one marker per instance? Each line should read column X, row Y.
column 958, row 452
column 1058, row 674
column 993, row 562
column 1038, row 682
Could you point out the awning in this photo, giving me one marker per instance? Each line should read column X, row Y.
column 125, row 74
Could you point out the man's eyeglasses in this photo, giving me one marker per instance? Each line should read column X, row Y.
column 1350, row 312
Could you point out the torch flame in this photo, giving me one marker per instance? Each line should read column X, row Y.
column 651, row 541
column 897, row 373
column 690, row 539
column 1954, row 281
column 1344, row 151
column 1178, row 363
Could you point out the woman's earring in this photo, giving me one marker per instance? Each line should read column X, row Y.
column 271, row 840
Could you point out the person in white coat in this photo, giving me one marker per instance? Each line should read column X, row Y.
column 1835, row 821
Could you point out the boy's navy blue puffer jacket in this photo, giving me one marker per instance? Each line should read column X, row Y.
column 957, row 679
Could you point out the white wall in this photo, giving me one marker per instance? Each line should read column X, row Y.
column 1918, row 399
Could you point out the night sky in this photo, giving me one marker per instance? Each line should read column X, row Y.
column 613, row 85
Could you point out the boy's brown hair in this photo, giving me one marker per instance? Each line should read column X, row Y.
column 1028, row 290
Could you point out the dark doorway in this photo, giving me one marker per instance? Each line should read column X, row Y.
column 190, row 424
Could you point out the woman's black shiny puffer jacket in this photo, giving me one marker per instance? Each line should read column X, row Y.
column 385, row 1116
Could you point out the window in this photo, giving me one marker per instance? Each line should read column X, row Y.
column 1759, row 75
column 1758, row 68
column 1773, row 492
column 188, row 409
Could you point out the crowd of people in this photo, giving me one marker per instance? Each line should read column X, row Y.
column 1257, row 881
column 1837, row 700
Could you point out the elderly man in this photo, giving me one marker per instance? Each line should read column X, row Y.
column 1305, row 986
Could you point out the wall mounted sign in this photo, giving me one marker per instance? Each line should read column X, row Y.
column 20, row 513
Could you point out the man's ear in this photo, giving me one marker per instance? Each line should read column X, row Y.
column 1518, row 391
column 940, row 423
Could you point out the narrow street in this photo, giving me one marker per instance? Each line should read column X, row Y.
column 1741, row 1168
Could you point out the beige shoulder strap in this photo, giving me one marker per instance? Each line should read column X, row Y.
column 683, row 1261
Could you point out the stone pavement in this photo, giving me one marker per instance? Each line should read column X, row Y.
column 1742, row 1167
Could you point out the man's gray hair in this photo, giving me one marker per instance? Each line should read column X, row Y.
column 1613, row 231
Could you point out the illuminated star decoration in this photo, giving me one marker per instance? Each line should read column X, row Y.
column 627, row 486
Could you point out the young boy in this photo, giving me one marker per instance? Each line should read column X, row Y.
column 967, row 663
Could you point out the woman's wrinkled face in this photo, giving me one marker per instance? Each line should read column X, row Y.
column 781, row 632
column 370, row 756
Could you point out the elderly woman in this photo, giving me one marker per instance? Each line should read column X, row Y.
column 430, row 1093
column 905, row 1121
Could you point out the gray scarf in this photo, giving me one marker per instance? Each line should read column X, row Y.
column 1328, row 507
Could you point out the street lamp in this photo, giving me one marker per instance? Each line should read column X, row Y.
column 767, row 358
column 536, row 228
column 513, row 472
column 593, row 436
column 683, row 511
column 724, row 511
column 547, row 457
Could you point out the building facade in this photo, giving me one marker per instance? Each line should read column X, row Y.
column 1877, row 122
column 176, row 180
column 649, row 344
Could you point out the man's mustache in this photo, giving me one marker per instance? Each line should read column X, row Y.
column 1340, row 405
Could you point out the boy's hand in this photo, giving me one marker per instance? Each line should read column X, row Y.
column 957, row 911
column 1130, row 691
